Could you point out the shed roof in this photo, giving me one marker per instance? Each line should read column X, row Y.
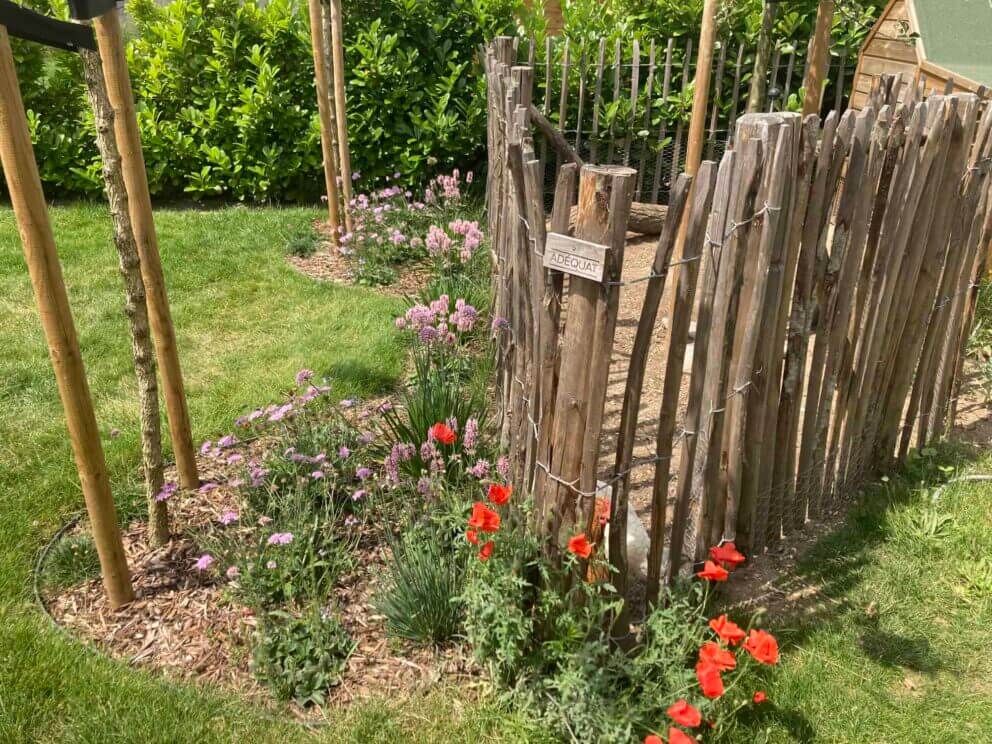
column 957, row 35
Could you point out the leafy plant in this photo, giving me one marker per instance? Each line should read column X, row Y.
column 72, row 561
column 420, row 599
column 303, row 241
column 300, row 658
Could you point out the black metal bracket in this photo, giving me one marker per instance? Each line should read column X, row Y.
column 84, row 10
column 27, row 24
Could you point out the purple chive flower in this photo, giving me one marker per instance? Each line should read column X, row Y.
column 503, row 466
column 471, row 435
column 350, row 521
column 280, row 538
column 205, row 447
column 232, row 572
column 366, row 437
column 271, row 565
column 363, row 473
column 347, row 403
column 302, row 376
column 358, row 495
column 227, row 440
column 204, row 562
column 317, row 474
column 263, row 520
column 207, row 488
column 235, row 458
column 235, row 483
column 229, row 517
column 480, row 470
column 344, row 452
column 167, row 490
column 424, row 485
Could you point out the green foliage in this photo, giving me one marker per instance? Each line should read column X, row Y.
column 71, row 561
column 299, row 658
column 420, row 599
column 226, row 103
column 303, row 241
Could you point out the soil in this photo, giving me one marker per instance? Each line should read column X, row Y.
column 327, row 265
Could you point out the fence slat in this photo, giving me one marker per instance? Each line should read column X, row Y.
column 649, row 91
column 596, row 101
column 635, row 74
column 663, row 125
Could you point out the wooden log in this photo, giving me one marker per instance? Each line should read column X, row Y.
column 340, row 107
column 323, row 108
column 111, row 47
column 135, row 307
column 685, row 288
column 647, row 219
column 663, row 124
column 630, row 410
column 24, row 185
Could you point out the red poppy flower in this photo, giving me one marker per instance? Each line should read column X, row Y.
column 762, row 646
column 728, row 630
column 760, row 697
column 486, row 551
column 580, row 545
column 483, row 518
column 499, row 494
column 713, row 572
column 653, row 739
column 472, row 536
column 684, row 714
column 728, row 555
column 718, row 656
column 443, row 433
column 709, row 678
column 677, row 736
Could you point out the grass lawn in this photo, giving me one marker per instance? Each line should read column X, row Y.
column 895, row 653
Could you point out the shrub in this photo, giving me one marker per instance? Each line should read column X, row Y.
column 299, row 658
column 420, row 598
column 226, row 102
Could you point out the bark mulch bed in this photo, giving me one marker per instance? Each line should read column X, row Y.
column 184, row 624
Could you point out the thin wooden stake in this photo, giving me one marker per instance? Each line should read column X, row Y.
column 24, row 186
column 323, row 108
column 340, row 107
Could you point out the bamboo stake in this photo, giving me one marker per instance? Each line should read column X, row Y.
column 111, row 46
column 649, row 90
column 28, row 200
column 735, row 99
column 635, row 72
column 717, row 89
column 135, row 307
column 819, row 58
column 663, row 124
column 323, row 108
column 340, row 107
column 563, row 99
column 617, row 75
column 596, row 101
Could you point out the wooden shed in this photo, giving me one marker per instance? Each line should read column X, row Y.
column 932, row 40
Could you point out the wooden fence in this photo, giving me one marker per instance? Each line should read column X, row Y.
column 830, row 272
column 629, row 101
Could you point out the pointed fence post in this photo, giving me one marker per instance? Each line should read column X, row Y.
column 24, row 185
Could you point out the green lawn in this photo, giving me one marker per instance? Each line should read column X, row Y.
column 896, row 654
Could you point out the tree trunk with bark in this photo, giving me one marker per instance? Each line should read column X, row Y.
column 135, row 307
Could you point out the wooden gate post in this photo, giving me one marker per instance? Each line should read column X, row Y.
column 24, row 184
column 111, row 46
column 323, row 107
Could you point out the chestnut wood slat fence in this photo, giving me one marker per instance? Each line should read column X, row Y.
column 829, row 270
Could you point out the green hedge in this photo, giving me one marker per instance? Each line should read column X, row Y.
column 226, row 99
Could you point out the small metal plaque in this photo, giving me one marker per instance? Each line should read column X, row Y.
column 573, row 256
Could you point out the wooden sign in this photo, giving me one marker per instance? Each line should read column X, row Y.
column 574, row 256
